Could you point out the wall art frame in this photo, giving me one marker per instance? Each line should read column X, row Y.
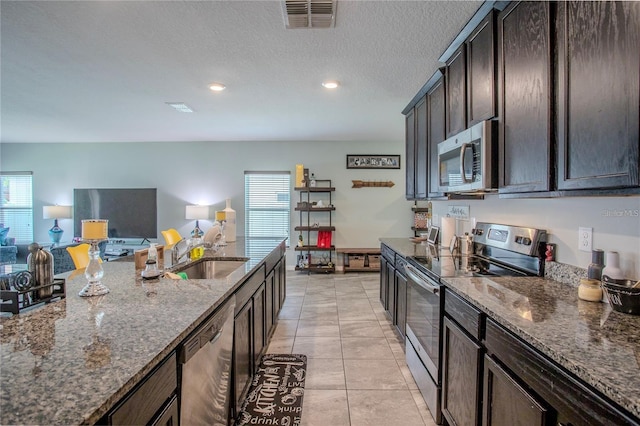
column 367, row 161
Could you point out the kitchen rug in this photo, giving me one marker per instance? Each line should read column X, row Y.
column 275, row 395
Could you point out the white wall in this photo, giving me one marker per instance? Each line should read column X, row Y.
column 209, row 172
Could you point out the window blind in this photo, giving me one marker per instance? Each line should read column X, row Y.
column 16, row 205
column 267, row 204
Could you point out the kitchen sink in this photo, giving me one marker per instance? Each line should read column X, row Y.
column 209, row 269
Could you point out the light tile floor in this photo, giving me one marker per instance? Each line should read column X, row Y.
column 356, row 372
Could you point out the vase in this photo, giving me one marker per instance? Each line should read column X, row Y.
column 40, row 264
column 230, row 227
column 612, row 268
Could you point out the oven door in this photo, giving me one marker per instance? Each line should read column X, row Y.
column 423, row 328
column 424, row 308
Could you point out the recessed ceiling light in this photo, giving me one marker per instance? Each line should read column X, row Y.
column 179, row 106
column 330, row 84
column 217, row 87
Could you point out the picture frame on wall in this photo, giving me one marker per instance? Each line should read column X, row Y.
column 365, row 161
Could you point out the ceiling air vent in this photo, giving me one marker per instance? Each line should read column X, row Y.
column 309, row 13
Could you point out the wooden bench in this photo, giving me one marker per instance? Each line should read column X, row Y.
column 360, row 259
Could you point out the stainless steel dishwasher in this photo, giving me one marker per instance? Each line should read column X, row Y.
column 205, row 360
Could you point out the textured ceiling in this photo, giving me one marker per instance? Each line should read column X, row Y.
column 102, row 71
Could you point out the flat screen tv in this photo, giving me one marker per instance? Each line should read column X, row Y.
column 131, row 212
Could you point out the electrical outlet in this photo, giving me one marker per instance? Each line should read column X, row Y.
column 585, row 239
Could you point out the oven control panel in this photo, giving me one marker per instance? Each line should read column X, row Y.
column 514, row 238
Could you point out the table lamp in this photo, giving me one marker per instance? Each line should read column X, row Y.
column 93, row 232
column 55, row 213
column 197, row 213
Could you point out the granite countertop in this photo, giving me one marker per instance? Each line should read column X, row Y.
column 70, row 361
column 592, row 341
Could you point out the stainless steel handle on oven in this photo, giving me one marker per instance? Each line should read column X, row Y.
column 463, row 148
column 421, row 280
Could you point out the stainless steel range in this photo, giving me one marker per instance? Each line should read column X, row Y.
column 497, row 250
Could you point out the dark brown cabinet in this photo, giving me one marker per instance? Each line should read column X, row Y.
column 437, row 131
column 258, row 323
column 481, row 72
column 410, row 154
column 456, row 74
column 461, row 376
column 566, row 400
column 506, row 400
column 242, row 351
column 153, row 401
column 401, row 302
column 421, row 179
column 598, row 94
column 525, row 129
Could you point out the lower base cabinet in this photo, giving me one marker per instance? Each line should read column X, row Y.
column 242, row 351
column 400, row 320
column 506, row 400
column 461, row 376
column 153, row 401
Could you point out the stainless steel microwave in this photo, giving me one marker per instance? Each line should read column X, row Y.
column 467, row 162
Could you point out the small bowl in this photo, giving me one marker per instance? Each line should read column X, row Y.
column 623, row 299
column 619, row 282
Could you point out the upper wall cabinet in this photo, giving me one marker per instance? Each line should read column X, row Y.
column 481, row 72
column 436, row 130
column 416, row 156
column 524, row 51
column 410, row 157
column 421, row 150
column 456, row 88
column 598, row 94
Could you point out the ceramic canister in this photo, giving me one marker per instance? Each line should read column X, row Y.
column 230, row 226
column 40, row 264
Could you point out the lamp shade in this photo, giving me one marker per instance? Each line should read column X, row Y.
column 197, row 212
column 56, row 212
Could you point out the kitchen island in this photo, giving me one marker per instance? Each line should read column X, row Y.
column 591, row 342
column 69, row 362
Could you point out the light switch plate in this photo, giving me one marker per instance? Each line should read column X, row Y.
column 585, row 239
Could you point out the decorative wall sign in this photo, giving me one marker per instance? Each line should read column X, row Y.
column 371, row 184
column 363, row 161
column 459, row 212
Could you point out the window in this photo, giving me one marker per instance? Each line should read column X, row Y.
column 267, row 205
column 16, row 205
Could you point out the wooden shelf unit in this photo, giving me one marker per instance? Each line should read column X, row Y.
column 312, row 221
column 370, row 258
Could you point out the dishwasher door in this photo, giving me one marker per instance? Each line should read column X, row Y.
column 205, row 360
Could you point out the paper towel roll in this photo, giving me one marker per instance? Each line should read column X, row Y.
column 447, row 230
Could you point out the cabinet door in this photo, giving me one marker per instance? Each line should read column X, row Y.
column 525, row 75
column 258, row 323
column 383, row 282
column 461, row 376
column 242, row 351
column 506, row 403
column 410, row 157
column 437, row 132
column 456, row 93
column 401, row 303
column 598, row 94
column 421, row 178
column 269, row 303
column 282, row 283
column 481, row 75
column 391, row 291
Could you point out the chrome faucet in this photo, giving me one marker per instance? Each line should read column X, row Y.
column 183, row 248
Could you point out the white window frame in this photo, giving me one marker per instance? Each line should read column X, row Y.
column 273, row 189
column 16, row 205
